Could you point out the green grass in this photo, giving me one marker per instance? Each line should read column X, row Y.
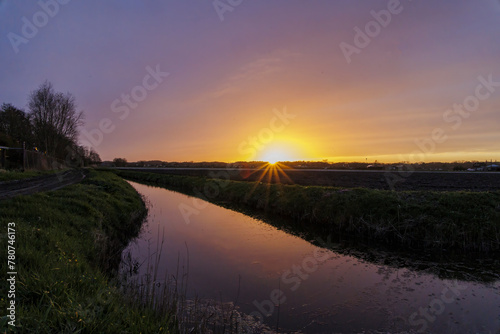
column 461, row 222
column 68, row 244
column 6, row 175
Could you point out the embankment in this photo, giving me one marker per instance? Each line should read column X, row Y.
column 374, row 179
column 456, row 222
column 67, row 245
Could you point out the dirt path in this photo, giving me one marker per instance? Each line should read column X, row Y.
column 10, row 189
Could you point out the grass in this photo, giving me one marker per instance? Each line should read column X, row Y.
column 68, row 245
column 167, row 296
column 70, row 277
column 460, row 222
column 8, row 175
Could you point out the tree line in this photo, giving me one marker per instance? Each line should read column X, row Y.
column 50, row 126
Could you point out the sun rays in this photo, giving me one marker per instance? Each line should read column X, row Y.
column 268, row 174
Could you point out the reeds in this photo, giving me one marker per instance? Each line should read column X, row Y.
column 459, row 222
column 167, row 297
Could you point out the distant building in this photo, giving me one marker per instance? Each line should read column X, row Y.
column 107, row 164
column 479, row 166
column 493, row 167
column 375, row 167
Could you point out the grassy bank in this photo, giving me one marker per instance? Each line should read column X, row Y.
column 463, row 222
column 7, row 175
column 68, row 243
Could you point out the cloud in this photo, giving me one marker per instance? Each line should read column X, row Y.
column 255, row 69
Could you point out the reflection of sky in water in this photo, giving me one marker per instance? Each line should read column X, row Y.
column 339, row 293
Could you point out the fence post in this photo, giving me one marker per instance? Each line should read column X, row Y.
column 3, row 150
column 24, row 156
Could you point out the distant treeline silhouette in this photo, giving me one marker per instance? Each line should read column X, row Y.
column 324, row 164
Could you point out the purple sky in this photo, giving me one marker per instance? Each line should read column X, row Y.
column 391, row 100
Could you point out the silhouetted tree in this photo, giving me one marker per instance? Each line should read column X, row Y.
column 51, row 125
column 120, row 162
column 15, row 126
column 54, row 118
column 94, row 157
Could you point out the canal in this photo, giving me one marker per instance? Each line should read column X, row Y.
column 293, row 285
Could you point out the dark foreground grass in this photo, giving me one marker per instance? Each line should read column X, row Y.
column 7, row 175
column 68, row 244
column 458, row 222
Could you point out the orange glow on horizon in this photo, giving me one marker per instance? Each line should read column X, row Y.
column 274, row 155
column 286, row 150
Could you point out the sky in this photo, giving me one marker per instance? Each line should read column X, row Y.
column 230, row 80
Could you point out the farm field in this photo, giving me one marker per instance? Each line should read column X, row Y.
column 440, row 181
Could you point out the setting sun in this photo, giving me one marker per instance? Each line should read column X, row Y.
column 276, row 153
column 274, row 156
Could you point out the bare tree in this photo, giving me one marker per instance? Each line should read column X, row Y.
column 55, row 119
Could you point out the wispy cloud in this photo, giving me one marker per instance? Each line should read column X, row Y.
column 255, row 69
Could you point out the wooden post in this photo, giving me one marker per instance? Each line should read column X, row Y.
column 3, row 157
column 24, row 156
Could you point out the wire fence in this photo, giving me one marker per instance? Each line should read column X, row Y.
column 17, row 158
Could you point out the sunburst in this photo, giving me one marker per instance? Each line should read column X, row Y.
column 274, row 155
column 270, row 173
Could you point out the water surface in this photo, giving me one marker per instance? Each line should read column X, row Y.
column 295, row 285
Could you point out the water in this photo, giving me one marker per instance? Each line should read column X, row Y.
column 291, row 283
